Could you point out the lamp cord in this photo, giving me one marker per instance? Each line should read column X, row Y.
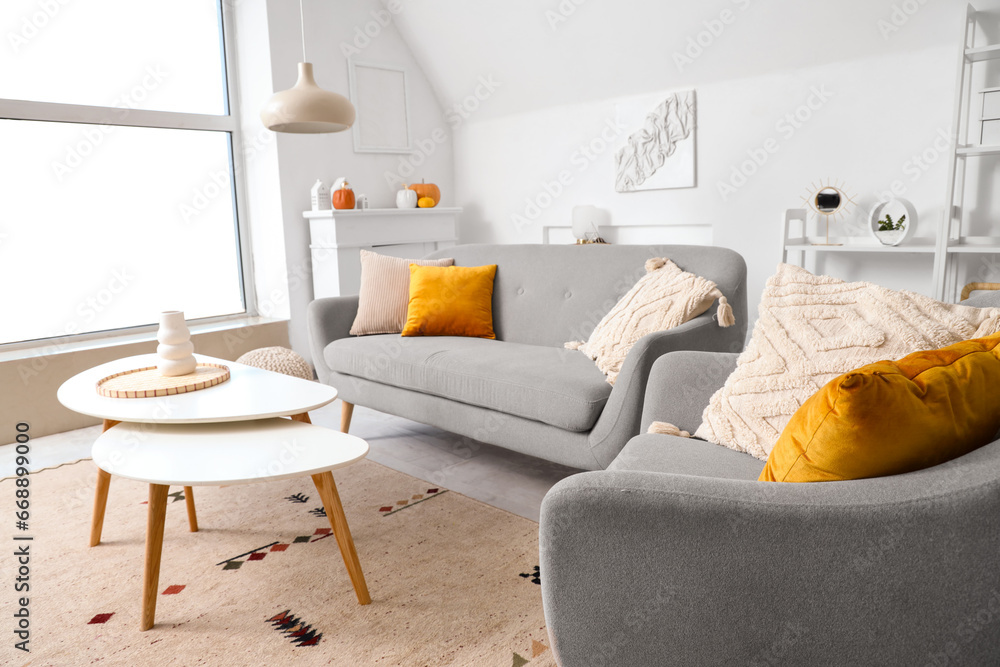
column 302, row 20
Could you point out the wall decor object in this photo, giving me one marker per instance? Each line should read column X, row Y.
column 406, row 198
column 829, row 201
column 659, row 152
column 891, row 221
column 305, row 108
column 319, row 196
column 175, row 351
column 587, row 220
column 381, row 95
column 343, row 197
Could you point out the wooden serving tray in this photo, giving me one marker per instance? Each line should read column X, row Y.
column 147, row 382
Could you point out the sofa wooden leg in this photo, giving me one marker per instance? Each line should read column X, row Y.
column 346, row 411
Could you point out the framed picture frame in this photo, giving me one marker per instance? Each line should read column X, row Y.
column 381, row 96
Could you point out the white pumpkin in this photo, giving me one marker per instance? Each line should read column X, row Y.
column 406, row 198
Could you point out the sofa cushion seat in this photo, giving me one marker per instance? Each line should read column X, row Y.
column 547, row 384
column 654, row 452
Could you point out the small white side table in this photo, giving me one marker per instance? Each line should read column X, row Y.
column 250, row 393
column 223, row 454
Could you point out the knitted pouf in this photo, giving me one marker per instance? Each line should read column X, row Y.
column 279, row 360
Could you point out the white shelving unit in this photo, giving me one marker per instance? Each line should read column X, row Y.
column 952, row 239
column 796, row 241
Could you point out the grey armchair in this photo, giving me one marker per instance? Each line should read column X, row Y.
column 675, row 555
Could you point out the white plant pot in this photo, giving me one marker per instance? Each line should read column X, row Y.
column 176, row 351
column 896, row 236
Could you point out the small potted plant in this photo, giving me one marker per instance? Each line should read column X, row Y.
column 889, row 232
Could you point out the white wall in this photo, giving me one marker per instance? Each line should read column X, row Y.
column 870, row 116
column 260, row 174
column 517, row 96
column 549, row 53
column 332, row 33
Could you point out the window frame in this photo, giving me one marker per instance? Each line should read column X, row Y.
column 12, row 109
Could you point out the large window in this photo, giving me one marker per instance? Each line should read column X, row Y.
column 118, row 195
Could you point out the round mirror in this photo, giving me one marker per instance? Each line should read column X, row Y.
column 828, row 200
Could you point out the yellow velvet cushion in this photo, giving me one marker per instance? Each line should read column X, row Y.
column 450, row 301
column 892, row 417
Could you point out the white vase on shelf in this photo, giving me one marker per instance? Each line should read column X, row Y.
column 176, row 351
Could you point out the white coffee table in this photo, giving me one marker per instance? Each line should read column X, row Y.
column 224, row 454
column 250, row 393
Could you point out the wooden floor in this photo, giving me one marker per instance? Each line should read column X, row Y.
column 496, row 476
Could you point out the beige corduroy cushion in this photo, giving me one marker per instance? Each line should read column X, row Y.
column 385, row 292
column 662, row 299
column 278, row 359
column 812, row 329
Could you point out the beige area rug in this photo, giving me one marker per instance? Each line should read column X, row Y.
column 263, row 583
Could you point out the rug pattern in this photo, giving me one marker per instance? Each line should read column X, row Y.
column 262, row 573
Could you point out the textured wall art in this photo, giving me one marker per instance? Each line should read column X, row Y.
column 661, row 152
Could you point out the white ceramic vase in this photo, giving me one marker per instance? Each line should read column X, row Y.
column 176, row 351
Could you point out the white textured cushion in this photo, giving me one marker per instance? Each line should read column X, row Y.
column 662, row 299
column 812, row 329
column 385, row 292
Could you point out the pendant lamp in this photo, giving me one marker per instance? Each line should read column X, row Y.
column 305, row 108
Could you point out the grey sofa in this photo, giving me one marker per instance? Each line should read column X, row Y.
column 524, row 391
column 675, row 555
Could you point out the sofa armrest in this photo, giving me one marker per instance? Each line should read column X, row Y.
column 643, row 568
column 680, row 386
column 621, row 416
column 329, row 319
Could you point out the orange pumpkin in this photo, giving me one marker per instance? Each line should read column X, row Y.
column 428, row 190
column 343, row 198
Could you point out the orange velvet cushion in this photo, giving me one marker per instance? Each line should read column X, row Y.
column 892, row 417
column 450, row 301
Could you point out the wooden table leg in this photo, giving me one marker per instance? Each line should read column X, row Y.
column 338, row 521
column 192, row 517
column 154, row 548
column 346, row 412
column 100, row 503
column 100, row 497
column 302, row 417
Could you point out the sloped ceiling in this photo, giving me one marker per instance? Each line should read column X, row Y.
column 555, row 52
